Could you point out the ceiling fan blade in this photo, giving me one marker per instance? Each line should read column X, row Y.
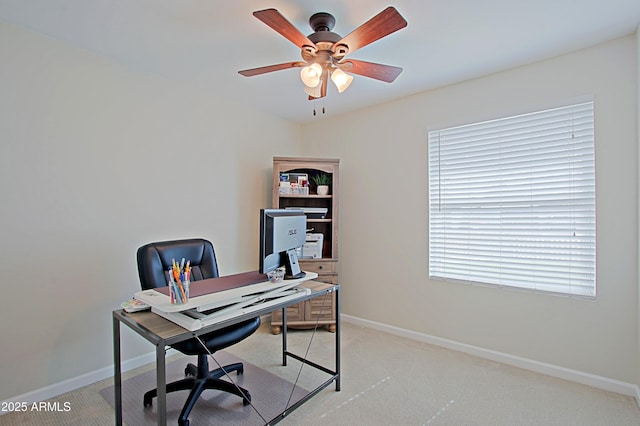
column 271, row 68
column 386, row 73
column 384, row 23
column 279, row 23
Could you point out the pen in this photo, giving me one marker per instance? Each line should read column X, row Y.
column 183, row 296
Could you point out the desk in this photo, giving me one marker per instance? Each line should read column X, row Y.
column 162, row 333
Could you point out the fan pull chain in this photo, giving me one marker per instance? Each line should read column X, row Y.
column 314, row 108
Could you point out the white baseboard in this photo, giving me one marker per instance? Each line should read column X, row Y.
column 72, row 384
column 581, row 377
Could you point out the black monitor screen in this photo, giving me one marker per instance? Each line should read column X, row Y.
column 281, row 232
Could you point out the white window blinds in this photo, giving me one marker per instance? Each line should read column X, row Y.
column 512, row 202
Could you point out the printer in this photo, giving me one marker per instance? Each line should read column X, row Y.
column 312, row 248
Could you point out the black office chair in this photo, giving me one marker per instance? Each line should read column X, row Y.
column 154, row 260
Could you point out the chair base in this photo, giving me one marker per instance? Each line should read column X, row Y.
column 199, row 383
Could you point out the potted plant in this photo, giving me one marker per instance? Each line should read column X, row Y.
column 322, row 181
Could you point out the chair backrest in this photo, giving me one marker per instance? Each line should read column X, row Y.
column 154, row 260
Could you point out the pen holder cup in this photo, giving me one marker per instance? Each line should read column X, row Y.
column 179, row 292
column 277, row 275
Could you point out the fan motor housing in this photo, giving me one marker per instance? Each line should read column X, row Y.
column 322, row 23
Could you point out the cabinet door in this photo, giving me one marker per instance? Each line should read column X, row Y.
column 321, row 308
column 294, row 313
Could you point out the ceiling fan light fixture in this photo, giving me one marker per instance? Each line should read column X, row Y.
column 341, row 79
column 311, row 75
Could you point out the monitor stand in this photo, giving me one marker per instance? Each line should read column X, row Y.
column 292, row 265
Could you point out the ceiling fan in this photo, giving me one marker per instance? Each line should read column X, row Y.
column 324, row 51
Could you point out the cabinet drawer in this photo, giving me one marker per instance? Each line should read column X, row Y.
column 320, row 266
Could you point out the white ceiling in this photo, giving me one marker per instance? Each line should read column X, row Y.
column 205, row 42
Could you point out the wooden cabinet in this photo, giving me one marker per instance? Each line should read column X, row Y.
column 294, row 193
column 319, row 310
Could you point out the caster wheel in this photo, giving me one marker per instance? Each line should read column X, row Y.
column 190, row 370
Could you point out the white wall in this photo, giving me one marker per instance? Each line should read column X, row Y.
column 638, row 135
column 94, row 162
column 384, row 249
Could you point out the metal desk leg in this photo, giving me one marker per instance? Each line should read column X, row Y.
column 337, row 299
column 161, row 385
column 284, row 336
column 117, row 371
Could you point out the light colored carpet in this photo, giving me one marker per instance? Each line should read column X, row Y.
column 389, row 380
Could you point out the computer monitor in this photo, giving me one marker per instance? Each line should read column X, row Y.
column 282, row 231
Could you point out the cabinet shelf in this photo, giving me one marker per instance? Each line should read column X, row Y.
column 304, row 196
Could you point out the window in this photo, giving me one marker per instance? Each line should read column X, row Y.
column 512, row 202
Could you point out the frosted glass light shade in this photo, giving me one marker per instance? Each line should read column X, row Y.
column 341, row 79
column 313, row 91
column 311, row 74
